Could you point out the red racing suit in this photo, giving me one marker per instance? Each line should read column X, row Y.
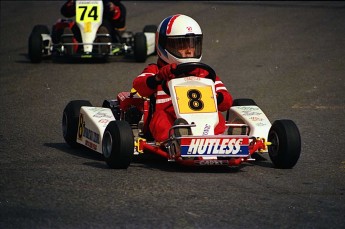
column 164, row 116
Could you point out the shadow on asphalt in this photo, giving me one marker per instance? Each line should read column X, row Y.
column 80, row 152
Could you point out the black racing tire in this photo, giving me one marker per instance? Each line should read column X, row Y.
column 118, row 144
column 285, row 149
column 140, row 47
column 36, row 44
column 150, row 29
column 43, row 29
column 244, row 102
column 70, row 120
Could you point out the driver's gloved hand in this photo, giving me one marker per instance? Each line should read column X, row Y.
column 165, row 72
column 220, row 98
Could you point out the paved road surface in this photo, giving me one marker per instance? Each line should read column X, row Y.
column 287, row 56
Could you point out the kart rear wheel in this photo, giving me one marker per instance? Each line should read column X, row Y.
column 140, row 47
column 285, row 149
column 244, row 102
column 118, row 144
column 70, row 119
column 36, row 47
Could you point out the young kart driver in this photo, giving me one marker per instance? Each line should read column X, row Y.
column 178, row 40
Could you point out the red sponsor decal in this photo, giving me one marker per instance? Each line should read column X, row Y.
column 90, row 145
column 104, row 121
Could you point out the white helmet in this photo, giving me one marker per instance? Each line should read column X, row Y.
column 178, row 32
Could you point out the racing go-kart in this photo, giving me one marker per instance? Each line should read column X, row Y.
column 94, row 45
column 119, row 129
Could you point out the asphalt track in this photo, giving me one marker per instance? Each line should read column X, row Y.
column 287, row 56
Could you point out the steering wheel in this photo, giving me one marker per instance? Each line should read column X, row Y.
column 183, row 69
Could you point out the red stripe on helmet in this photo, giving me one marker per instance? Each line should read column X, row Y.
column 171, row 22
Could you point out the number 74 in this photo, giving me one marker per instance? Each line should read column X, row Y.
column 87, row 13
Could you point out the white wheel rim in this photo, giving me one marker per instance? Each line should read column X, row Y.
column 274, row 139
column 107, row 144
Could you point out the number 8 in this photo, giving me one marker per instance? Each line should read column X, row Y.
column 195, row 103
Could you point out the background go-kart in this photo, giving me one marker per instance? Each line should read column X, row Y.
column 287, row 56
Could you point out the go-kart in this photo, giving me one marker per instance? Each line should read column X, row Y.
column 94, row 44
column 119, row 129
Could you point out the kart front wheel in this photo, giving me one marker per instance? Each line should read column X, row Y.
column 118, row 145
column 36, row 46
column 285, row 147
column 70, row 120
column 140, row 47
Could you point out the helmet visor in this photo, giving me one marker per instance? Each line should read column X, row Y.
column 185, row 46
